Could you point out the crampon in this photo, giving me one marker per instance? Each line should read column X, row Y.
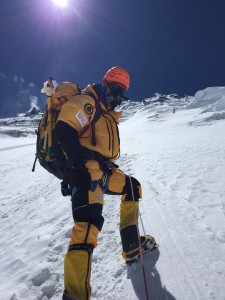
column 148, row 244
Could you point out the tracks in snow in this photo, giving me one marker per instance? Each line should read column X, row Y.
column 183, row 259
column 16, row 147
column 36, row 224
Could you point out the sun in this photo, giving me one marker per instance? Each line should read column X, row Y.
column 61, row 3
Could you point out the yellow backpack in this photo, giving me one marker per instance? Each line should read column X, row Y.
column 56, row 97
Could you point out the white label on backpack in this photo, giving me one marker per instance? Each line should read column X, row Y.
column 81, row 118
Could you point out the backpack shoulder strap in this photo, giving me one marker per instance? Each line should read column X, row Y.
column 99, row 111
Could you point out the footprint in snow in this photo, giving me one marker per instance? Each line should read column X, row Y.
column 118, row 273
column 48, row 291
column 42, row 276
column 68, row 233
column 4, row 216
column 13, row 297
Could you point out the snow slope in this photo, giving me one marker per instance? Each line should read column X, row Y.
column 180, row 160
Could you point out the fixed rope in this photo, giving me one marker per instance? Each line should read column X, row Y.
column 138, row 232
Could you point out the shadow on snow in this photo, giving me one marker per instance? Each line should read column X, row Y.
column 155, row 289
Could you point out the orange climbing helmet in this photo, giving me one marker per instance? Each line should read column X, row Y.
column 117, row 75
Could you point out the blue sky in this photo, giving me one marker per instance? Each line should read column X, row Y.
column 168, row 46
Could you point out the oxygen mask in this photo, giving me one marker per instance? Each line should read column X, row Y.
column 114, row 95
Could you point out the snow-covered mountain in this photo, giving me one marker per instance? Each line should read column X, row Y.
column 26, row 123
column 17, row 95
column 176, row 148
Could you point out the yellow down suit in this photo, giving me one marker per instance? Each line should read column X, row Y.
column 76, row 114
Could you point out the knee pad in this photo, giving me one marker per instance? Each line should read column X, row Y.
column 90, row 213
column 127, row 190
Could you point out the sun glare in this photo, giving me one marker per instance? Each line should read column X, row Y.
column 61, row 3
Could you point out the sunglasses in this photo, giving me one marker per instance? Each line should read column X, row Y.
column 115, row 97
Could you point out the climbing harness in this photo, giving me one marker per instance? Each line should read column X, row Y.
column 103, row 182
